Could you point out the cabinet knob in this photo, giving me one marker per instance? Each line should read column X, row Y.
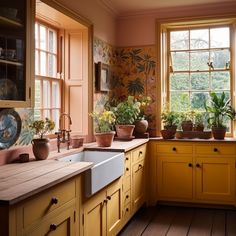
column 127, row 169
column 215, row 150
column 53, row 227
column 54, row 200
column 140, row 166
column 127, row 196
column 126, row 158
column 198, row 165
column 108, row 197
column 127, row 209
column 105, row 201
column 190, row 164
column 140, row 153
column 174, row 149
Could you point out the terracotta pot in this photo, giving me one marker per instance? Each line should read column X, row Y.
column 198, row 127
column 218, row 132
column 187, row 125
column 124, row 131
column 40, row 148
column 140, row 126
column 168, row 134
column 171, row 127
column 104, row 139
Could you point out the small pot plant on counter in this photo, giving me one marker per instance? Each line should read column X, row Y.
column 219, row 110
column 170, row 120
column 126, row 112
column 104, row 123
column 41, row 145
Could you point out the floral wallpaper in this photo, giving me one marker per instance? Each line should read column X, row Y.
column 133, row 72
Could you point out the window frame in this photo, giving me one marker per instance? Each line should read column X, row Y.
column 162, row 28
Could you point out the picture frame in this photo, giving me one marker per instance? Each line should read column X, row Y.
column 102, row 77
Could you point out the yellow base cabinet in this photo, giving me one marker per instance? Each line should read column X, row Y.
column 197, row 172
column 103, row 211
column 215, row 179
column 175, row 177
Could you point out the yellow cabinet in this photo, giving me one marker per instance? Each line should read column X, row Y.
column 215, row 179
column 175, row 177
column 104, row 210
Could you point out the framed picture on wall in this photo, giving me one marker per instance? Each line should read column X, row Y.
column 102, row 77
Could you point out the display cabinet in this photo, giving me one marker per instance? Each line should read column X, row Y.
column 16, row 53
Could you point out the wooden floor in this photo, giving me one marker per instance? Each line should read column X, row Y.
column 181, row 221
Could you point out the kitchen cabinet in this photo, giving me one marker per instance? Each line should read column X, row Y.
column 16, row 53
column 175, row 177
column 104, row 209
column 195, row 171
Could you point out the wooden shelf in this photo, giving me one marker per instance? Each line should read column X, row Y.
column 7, row 21
column 11, row 62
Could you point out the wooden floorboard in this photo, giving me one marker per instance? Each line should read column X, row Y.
column 181, row 221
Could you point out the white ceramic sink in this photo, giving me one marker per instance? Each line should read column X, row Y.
column 108, row 166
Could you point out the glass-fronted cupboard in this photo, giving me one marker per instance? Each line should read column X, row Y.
column 16, row 54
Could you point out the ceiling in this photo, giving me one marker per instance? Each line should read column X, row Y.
column 129, row 6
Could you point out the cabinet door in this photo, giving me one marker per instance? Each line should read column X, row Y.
column 94, row 216
column 62, row 224
column 215, row 179
column 175, row 177
column 114, row 208
column 138, row 185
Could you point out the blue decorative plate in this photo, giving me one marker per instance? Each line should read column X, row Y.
column 10, row 127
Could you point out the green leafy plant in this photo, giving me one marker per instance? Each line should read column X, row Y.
column 126, row 112
column 104, row 121
column 169, row 118
column 219, row 109
column 41, row 127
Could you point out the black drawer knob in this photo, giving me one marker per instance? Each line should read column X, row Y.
column 174, row 149
column 127, row 196
column 190, row 164
column 108, row 198
column 54, row 200
column 215, row 150
column 126, row 158
column 198, row 165
column 53, row 227
column 127, row 209
column 127, row 169
column 140, row 153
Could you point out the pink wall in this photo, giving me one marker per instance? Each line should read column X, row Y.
column 103, row 21
column 139, row 29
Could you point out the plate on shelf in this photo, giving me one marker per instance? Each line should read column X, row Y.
column 10, row 127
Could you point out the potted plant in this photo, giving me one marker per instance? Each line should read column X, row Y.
column 126, row 112
column 187, row 120
column 219, row 109
column 199, row 122
column 170, row 120
column 41, row 145
column 141, row 123
column 104, row 123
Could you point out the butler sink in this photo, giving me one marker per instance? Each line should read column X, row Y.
column 107, row 167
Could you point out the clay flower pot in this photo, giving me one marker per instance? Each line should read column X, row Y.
column 141, row 126
column 187, row 125
column 104, row 139
column 168, row 134
column 124, row 131
column 40, row 148
column 218, row 132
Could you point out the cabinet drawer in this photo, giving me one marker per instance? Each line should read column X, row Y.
column 127, row 197
column 174, row 149
column 139, row 153
column 46, row 202
column 215, row 149
column 126, row 183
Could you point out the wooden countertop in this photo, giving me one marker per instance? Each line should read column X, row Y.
column 118, row 145
column 211, row 140
column 21, row 180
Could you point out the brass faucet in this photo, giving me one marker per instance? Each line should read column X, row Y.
column 63, row 135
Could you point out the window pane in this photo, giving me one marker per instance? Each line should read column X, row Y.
column 43, row 63
column 220, row 58
column 37, row 114
column 52, row 72
column 200, row 81
column 179, row 40
column 55, row 117
column 46, row 113
column 42, row 37
column 198, row 60
column 52, row 42
column 36, row 36
column 55, row 95
column 220, row 80
column 179, row 101
column 199, row 39
column 180, row 61
column 179, row 81
column 198, row 100
column 220, row 37
column 37, row 102
column 46, row 94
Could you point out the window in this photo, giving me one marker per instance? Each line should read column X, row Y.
column 47, row 83
column 199, row 63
